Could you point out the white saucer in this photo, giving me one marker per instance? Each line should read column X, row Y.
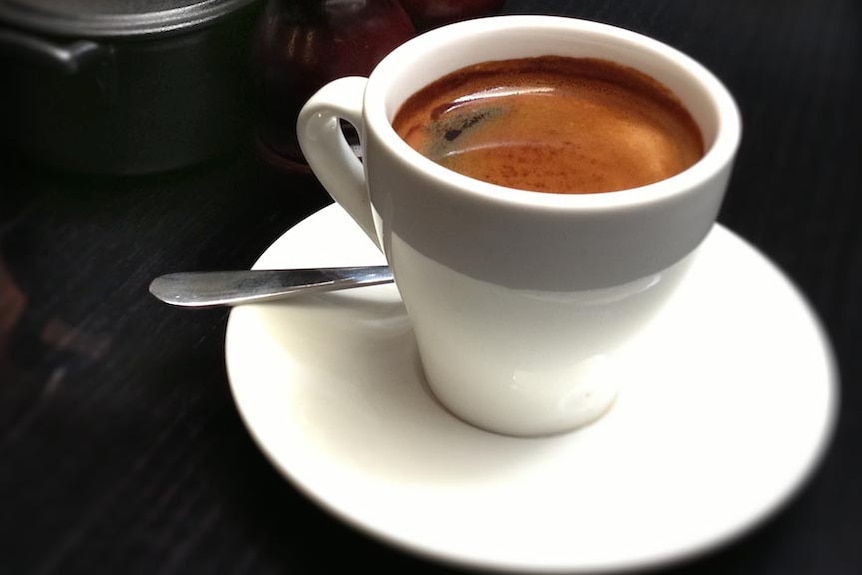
column 732, row 414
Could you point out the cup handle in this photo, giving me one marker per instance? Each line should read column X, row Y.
column 327, row 151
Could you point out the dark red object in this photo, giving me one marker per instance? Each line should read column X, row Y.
column 300, row 45
column 432, row 13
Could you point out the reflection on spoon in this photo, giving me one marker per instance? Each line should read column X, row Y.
column 229, row 288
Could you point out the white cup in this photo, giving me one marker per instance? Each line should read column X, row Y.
column 520, row 301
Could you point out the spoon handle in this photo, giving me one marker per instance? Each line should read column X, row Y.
column 212, row 289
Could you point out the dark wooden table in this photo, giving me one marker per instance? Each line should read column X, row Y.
column 121, row 450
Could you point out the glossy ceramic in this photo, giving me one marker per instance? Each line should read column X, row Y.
column 520, row 301
column 727, row 427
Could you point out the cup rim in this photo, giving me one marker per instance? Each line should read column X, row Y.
column 717, row 157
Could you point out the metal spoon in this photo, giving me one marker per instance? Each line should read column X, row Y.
column 212, row 289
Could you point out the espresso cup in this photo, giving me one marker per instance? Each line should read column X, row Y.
column 521, row 302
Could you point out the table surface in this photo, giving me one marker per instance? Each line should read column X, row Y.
column 121, row 450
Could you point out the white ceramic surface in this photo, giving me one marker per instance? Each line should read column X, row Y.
column 729, row 405
column 521, row 302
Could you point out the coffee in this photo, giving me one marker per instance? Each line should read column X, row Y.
column 552, row 124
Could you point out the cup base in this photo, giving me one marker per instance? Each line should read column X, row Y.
column 531, row 414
